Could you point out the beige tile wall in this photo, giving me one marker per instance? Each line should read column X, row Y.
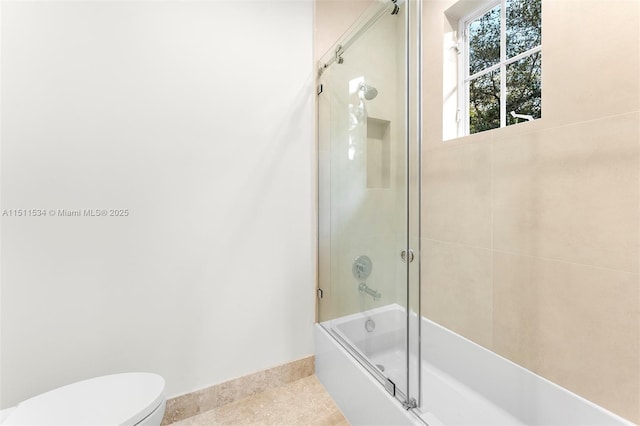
column 570, row 193
column 458, row 293
column 531, row 234
column 458, row 177
column 575, row 324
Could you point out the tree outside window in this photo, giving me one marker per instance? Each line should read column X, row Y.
column 502, row 65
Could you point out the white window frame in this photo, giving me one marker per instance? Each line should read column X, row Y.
column 464, row 78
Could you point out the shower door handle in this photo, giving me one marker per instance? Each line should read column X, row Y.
column 403, row 255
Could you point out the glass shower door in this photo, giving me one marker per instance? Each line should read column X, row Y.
column 364, row 236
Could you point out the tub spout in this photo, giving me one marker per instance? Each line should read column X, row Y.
column 364, row 288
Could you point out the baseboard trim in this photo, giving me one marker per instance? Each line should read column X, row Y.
column 194, row 403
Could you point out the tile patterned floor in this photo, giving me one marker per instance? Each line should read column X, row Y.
column 300, row 403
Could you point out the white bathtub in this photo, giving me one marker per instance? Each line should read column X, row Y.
column 462, row 383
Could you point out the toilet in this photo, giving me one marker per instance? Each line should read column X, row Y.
column 126, row 399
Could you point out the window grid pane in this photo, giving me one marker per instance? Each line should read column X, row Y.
column 484, row 41
column 503, row 72
column 484, row 102
column 523, row 25
column 524, row 88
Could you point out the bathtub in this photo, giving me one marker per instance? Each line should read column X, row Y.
column 462, row 383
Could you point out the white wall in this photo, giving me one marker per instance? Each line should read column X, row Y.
column 195, row 116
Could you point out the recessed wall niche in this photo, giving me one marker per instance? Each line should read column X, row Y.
column 378, row 153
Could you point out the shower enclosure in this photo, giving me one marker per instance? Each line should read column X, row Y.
column 369, row 195
column 510, row 280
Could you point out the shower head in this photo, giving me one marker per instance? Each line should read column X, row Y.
column 369, row 92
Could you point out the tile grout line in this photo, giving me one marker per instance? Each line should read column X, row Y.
column 531, row 256
column 495, row 136
column 492, row 230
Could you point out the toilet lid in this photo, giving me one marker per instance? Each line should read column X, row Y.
column 118, row 399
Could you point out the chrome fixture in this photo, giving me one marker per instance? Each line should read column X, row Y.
column 410, row 404
column 364, row 288
column 396, row 8
column 361, row 268
column 370, row 325
column 523, row 116
column 394, row 5
column 369, row 92
column 403, row 255
column 338, row 54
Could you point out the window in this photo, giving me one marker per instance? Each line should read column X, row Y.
column 500, row 66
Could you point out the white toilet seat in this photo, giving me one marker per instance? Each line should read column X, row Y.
column 118, row 399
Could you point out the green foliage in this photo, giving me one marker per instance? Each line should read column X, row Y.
column 523, row 32
column 484, row 102
column 524, row 91
column 484, row 41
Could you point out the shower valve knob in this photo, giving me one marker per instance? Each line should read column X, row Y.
column 403, row 255
column 362, row 267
